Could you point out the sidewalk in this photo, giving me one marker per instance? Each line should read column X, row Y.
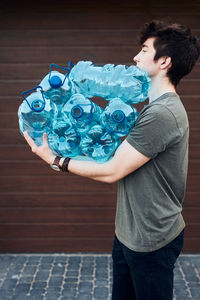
column 79, row 277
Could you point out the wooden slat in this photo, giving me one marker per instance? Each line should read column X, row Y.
column 87, row 14
column 57, row 54
column 57, row 215
column 56, row 245
column 55, row 183
column 50, row 231
column 191, row 199
column 86, row 199
column 69, row 37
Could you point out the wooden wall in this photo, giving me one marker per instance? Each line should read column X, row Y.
column 41, row 210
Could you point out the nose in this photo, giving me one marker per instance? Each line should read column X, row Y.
column 136, row 58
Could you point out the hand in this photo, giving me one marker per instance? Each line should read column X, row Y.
column 43, row 151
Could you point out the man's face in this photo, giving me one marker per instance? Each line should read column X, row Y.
column 145, row 58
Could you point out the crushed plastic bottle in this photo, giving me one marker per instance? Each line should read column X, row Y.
column 119, row 117
column 130, row 84
column 36, row 114
column 99, row 144
column 81, row 112
column 67, row 144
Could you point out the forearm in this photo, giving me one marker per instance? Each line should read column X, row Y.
column 97, row 171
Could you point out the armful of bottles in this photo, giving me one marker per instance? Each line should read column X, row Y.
column 61, row 106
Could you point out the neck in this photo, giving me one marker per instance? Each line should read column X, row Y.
column 160, row 86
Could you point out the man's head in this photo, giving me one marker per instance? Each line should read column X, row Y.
column 167, row 47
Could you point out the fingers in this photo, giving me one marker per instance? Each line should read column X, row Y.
column 29, row 140
column 45, row 141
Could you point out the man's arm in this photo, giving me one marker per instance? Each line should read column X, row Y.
column 125, row 161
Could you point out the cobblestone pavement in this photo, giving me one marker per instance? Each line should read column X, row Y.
column 79, row 276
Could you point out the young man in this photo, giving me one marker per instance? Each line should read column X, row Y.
column 151, row 169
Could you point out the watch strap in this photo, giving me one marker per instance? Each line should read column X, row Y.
column 56, row 161
column 65, row 164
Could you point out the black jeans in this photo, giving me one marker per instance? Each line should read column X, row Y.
column 144, row 275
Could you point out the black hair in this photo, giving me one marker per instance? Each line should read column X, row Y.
column 175, row 41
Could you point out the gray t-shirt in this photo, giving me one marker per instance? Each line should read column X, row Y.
column 150, row 199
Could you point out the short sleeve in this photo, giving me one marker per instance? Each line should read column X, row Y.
column 155, row 130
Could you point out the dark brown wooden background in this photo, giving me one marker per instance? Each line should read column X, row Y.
column 41, row 210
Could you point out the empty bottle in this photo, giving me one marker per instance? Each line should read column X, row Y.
column 57, row 86
column 119, row 117
column 81, row 112
column 36, row 114
column 65, row 144
column 130, row 84
column 99, row 144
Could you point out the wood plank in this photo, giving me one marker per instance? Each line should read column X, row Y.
column 56, row 183
column 191, row 245
column 50, row 231
column 75, row 15
column 191, row 215
column 57, row 215
column 21, row 245
column 74, row 199
column 191, row 199
column 69, row 37
column 102, row 199
column 64, row 54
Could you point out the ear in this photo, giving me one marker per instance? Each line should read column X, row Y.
column 165, row 62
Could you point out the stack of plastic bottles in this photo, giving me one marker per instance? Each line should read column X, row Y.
column 61, row 106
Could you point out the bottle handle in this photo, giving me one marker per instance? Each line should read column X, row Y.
column 70, row 66
column 31, row 106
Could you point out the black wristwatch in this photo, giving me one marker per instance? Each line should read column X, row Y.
column 55, row 165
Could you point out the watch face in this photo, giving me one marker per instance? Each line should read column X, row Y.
column 55, row 167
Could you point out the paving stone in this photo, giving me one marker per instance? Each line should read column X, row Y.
column 79, row 277
column 101, row 292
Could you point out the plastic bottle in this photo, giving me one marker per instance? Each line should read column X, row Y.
column 36, row 114
column 82, row 112
column 67, row 144
column 130, row 84
column 57, row 86
column 119, row 117
column 99, row 144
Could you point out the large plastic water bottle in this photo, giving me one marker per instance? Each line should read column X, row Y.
column 36, row 114
column 67, row 144
column 99, row 144
column 130, row 84
column 57, row 86
column 82, row 112
column 119, row 117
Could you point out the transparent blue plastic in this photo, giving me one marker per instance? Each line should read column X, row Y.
column 75, row 125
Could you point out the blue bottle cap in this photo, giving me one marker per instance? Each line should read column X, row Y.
column 118, row 116
column 55, row 82
column 37, row 105
column 76, row 111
